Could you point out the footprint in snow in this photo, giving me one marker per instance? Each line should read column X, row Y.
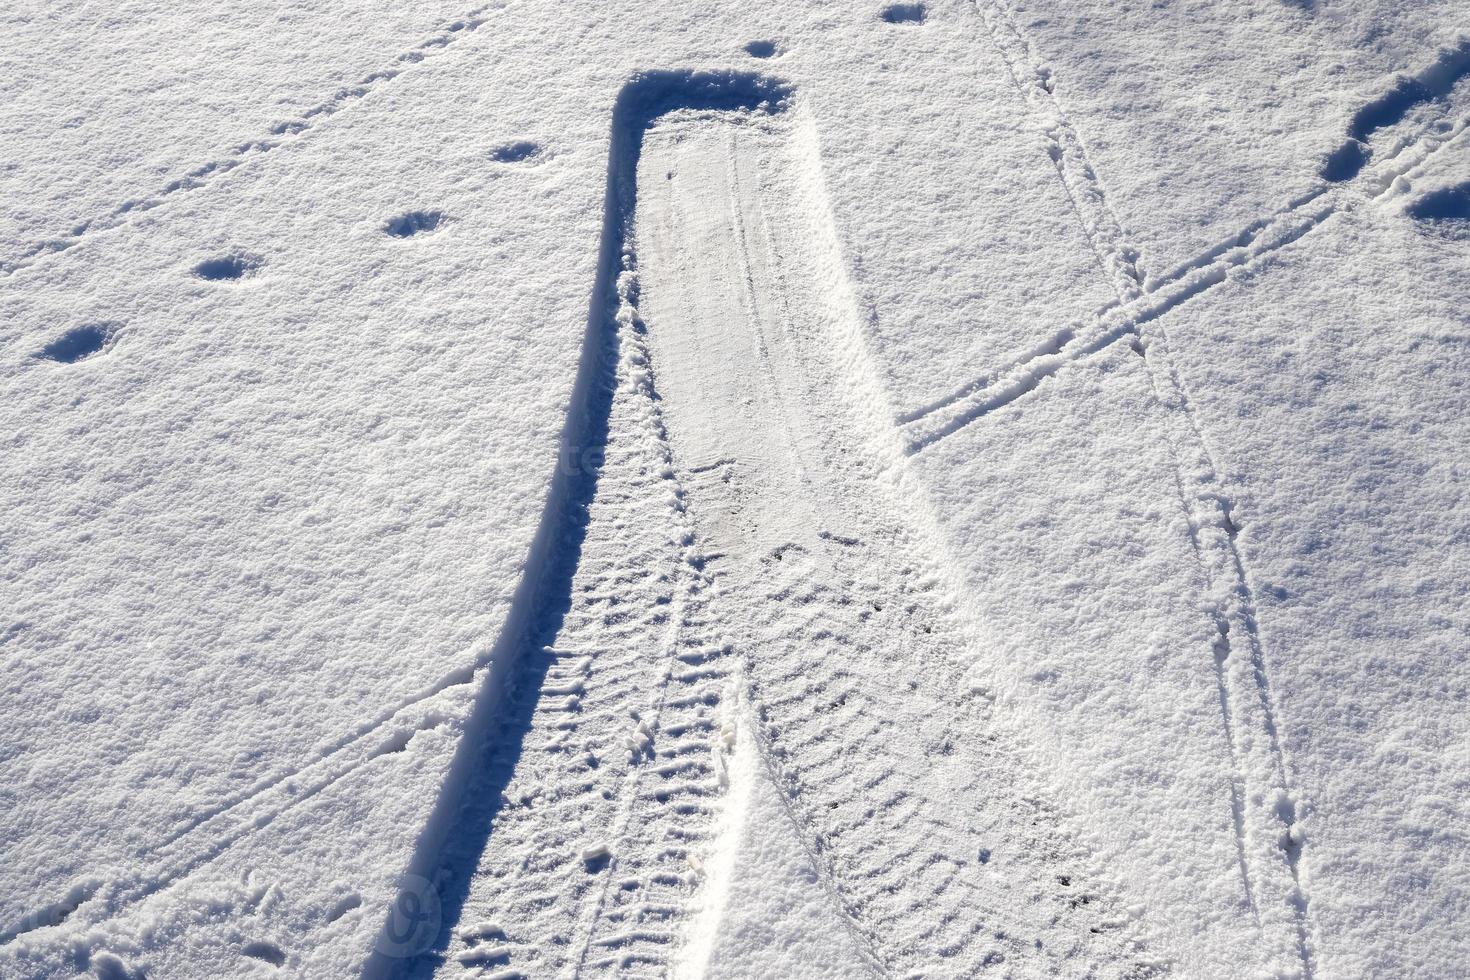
column 78, row 343
column 520, row 151
column 904, row 13
column 763, row 49
column 227, row 267
column 265, row 952
column 1445, row 211
column 411, row 223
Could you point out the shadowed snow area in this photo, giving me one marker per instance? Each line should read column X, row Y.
column 808, row 490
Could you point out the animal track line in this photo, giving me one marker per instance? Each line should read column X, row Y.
column 929, row 423
column 1117, row 258
column 1144, row 296
column 280, row 134
column 1266, row 815
column 179, row 855
column 933, row 422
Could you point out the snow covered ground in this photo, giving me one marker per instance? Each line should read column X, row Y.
column 823, row 489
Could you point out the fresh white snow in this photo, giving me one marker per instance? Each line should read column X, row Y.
column 813, row 490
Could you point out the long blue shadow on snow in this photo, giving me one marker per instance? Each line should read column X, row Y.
column 416, row 934
column 1435, row 81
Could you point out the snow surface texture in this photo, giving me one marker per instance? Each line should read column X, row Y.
column 825, row 490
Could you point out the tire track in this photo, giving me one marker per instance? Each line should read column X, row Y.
column 643, row 818
column 947, row 863
column 913, row 810
column 1265, row 813
column 582, row 830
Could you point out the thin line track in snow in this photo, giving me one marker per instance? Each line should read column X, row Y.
column 280, row 134
column 1264, row 782
column 1245, row 249
column 1156, row 295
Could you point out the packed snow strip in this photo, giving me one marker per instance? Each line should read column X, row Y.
column 843, row 626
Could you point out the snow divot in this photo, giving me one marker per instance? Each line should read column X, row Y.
column 412, row 223
column 1445, row 209
column 227, row 267
column 109, row 966
column 54, row 914
column 763, row 49
column 265, row 952
column 520, row 151
column 79, row 343
column 904, row 13
column 344, row 905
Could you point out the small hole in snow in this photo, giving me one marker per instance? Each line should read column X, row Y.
column 515, row 152
column 762, row 49
column 226, row 267
column 1445, row 204
column 904, row 13
column 268, row 952
column 77, row 343
column 413, row 222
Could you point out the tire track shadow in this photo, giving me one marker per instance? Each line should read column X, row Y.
column 461, row 823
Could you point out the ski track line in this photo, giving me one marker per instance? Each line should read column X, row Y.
column 1064, row 146
column 182, row 854
column 1374, row 177
column 280, row 134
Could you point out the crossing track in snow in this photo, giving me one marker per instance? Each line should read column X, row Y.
column 1267, row 808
